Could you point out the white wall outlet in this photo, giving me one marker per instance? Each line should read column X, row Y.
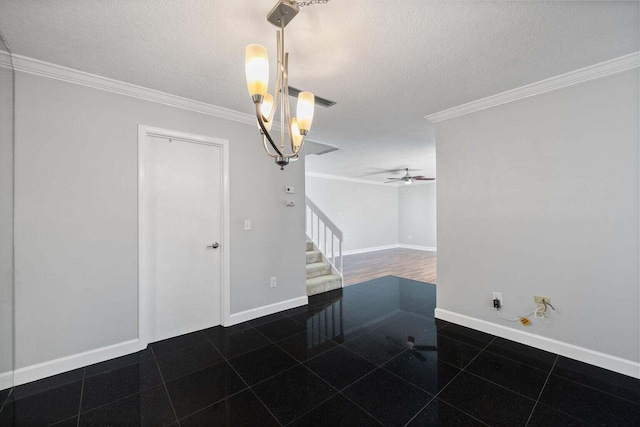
column 289, row 189
column 247, row 225
column 273, row 283
column 498, row 296
column 290, row 203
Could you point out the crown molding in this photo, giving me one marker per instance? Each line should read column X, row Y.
column 45, row 69
column 343, row 178
column 5, row 60
column 596, row 71
column 363, row 181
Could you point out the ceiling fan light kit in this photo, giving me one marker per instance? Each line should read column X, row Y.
column 257, row 74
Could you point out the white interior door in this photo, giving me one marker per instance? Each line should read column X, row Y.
column 182, row 209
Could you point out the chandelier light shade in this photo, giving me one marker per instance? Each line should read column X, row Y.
column 292, row 129
column 305, row 110
column 257, row 69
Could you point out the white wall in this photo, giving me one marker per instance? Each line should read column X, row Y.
column 540, row 196
column 76, row 216
column 6, row 226
column 417, row 215
column 367, row 214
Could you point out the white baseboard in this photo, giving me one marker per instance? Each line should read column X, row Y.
column 265, row 310
column 385, row 247
column 419, row 248
column 75, row 361
column 6, row 380
column 606, row 361
column 370, row 249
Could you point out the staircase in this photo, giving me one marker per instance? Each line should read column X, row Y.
column 319, row 273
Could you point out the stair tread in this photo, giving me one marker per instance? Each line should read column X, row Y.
column 320, row 284
column 317, row 264
column 313, row 257
column 322, row 279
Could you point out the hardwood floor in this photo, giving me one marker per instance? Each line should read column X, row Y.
column 406, row 263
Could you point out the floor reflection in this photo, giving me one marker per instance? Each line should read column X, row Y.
column 368, row 354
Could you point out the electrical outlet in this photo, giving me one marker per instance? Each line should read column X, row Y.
column 273, row 283
column 498, row 296
column 540, row 304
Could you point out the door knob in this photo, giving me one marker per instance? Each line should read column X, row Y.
column 213, row 246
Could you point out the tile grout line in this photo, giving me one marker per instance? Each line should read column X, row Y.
column 520, row 361
column 361, row 408
column 121, row 397
column 243, row 354
column 435, row 396
column 216, row 402
column 316, row 406
column 404, row 379
column 310, row 358
column 6, row 399
column 595, row 388
column 301, row 363
column 339, row 392
column 501, row 386
column 155, row 359
column 541, row 391
column 243, row 380
column 84, row 374
column 283, row 349
column 380, row 367
column 376, row 367
column 573, row 417
column 172, row 351
column 355, row 403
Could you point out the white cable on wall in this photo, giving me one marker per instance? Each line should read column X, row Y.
column 513, row 320
column 539, row 313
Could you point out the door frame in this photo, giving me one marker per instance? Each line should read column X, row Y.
column 145, row 288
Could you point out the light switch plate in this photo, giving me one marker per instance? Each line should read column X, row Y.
column 247, row 224
column 289, row 190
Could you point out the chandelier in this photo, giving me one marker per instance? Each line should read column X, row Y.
column 257, row 73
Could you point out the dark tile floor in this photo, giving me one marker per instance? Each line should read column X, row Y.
column 345, row 359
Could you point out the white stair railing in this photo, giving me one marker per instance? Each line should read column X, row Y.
column 325, row 235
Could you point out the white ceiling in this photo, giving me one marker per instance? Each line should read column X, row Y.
column 386, row 63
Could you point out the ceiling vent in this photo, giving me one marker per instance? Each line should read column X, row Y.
column 323, row 102
column 325, row 151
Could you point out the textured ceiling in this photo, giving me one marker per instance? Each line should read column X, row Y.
column 386, row 63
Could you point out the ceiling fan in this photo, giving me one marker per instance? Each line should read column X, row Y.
column 415, row 350
column 408, row 179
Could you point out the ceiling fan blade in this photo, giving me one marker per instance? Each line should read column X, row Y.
column 395, row 341
column 425, row 348
column 418, row 356
column 423, row 178
column 381, row 171
column 395, row 179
